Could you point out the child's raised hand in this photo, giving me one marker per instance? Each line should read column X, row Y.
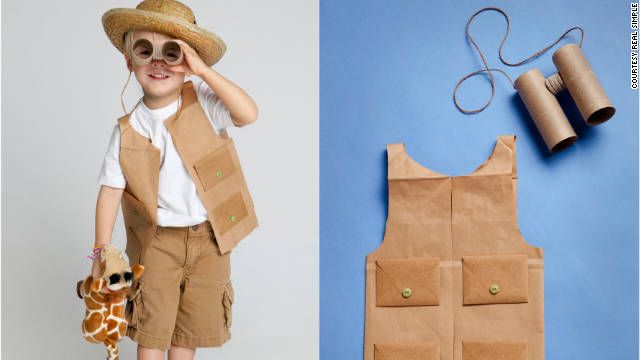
column 192, row 63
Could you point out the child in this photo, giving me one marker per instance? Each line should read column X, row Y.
column 175, row 172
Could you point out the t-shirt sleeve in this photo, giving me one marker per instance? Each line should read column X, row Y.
column 215, row 108
column 111, row 173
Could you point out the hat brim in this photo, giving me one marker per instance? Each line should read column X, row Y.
column 117, row 22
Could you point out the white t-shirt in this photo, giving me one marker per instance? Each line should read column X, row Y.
column 178, row 201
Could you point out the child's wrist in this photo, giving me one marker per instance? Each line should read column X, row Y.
column 202, row 72
column 97, row 248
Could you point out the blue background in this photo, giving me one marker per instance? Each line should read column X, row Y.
column 387, row 72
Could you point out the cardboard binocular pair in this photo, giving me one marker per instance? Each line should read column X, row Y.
column 575, row 75
column 144, row 51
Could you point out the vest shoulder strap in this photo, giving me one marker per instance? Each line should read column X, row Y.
column 393, row 150
column 123, row 123
column 191, row 98
column 510, row 142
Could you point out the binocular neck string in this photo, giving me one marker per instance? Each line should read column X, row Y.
column 489, row 70
column 122, row 97
column 122, row 94
column 491, row 81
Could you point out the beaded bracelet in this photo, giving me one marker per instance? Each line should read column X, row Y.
column 95, row 253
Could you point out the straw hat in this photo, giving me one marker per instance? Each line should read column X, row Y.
column 165, row 16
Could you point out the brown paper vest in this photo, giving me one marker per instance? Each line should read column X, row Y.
column 454, row 279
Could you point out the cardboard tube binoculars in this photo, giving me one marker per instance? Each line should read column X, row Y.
column 143, row 51
column 575, row 75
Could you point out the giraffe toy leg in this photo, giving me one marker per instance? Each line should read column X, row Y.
column 112, row 348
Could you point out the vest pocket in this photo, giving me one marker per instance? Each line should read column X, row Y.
column 408, row 281
column 427, row 350
column 494, row 350
column 215, row 167
column 230, row 212
column 495, row 279
column 134, row 209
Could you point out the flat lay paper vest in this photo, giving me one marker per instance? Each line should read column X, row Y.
column 211, row 161
column 454, row 277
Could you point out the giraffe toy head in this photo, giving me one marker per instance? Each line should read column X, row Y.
column 117, row 275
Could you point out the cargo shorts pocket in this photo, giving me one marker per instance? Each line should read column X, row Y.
column 494, row 350
column 227, row 302
column 133, row 309
column 427, row 350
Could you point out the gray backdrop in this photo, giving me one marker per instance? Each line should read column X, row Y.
column 61, row 81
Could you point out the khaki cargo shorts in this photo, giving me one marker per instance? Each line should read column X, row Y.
column 185, row 295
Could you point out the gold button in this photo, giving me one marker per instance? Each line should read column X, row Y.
column 406, row 292
column 494, row 289
column 232, row 218
column 218, row 173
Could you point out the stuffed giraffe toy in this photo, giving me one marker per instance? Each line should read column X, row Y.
column 104, row 321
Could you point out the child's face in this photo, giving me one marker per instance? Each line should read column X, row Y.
column 170, row 79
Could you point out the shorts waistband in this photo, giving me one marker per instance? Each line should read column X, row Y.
column 202, row 228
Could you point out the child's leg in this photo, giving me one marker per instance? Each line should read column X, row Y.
column 149, row 354
column 181, row 353
column 154, row 308
column 204, row 313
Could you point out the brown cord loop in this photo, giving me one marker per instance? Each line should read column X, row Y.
column 142, row 97
column 502, row 59
column 122, row 94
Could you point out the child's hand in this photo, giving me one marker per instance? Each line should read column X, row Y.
column 96, row 273
column 191, row 63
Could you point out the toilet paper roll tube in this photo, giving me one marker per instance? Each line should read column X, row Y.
column 583, row 85
column 538, row 94
column 545, row 110
column 575, row 75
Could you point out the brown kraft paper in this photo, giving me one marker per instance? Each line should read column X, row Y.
column 545, row 111
column 583, row 85
column 451, row 218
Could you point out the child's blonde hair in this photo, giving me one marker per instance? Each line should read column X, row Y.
column 128, row 40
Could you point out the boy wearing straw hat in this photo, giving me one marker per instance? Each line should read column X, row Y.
column 175, row 173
